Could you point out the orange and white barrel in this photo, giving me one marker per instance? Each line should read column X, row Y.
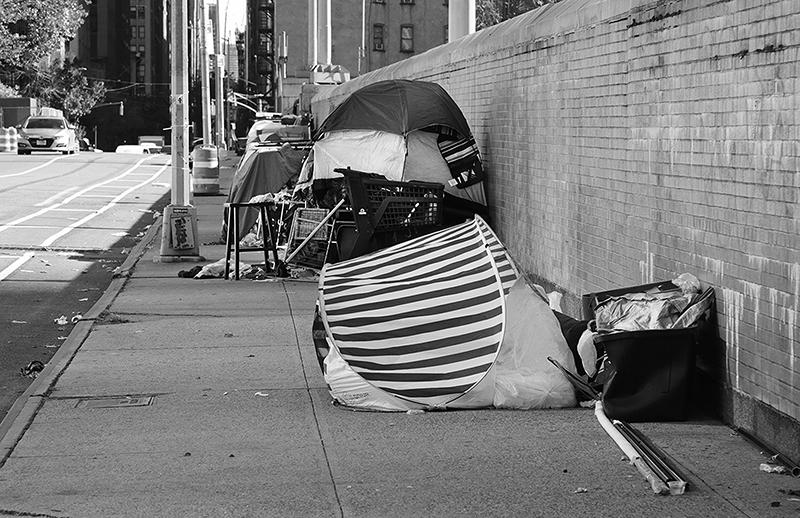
column 205, row 172
column 8, row 140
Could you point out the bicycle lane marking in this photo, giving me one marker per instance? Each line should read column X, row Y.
column 47, row 242
column 32, row 169
column 45, row 210
column 54, row 197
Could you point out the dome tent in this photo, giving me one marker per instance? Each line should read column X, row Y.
column 404, row 130
column 440, row 321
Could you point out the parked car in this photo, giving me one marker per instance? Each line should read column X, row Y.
column 40, row 133
column 85, row 145
column 151, row 147
column 132, row 149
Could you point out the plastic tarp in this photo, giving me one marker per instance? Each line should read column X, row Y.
column 417, row 157
column 358, row 149
column 437, row 144
column 440, row 321
column 262, row 171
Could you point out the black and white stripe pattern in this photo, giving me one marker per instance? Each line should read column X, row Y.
column 422, row 320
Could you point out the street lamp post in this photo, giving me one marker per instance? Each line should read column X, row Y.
column 179, row 224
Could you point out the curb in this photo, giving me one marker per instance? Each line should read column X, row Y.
column 25, row 408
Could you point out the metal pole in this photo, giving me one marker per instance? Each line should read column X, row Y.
column 313, row 33
column 179, row 224
column 179, row 138
column 281, row 72
column 204, row 79
column 220, row 107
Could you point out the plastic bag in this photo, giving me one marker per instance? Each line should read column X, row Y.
column 688, row 283
column 217, row 270
column 640, row 311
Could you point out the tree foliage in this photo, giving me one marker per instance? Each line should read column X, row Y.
column 63, row 86
column 491, row 12
column 32, row 29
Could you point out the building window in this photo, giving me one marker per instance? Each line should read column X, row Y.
column 406, row 38
column 377, row 37
column 378, row 1
column 141, row 12
column 446, row 33
column 406, row 1
column 141, row 31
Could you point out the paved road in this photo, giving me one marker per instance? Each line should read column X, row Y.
column 66, row 222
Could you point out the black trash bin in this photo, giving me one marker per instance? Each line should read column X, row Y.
column 652, row 374
column 649, row 373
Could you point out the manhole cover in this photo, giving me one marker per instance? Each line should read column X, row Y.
column 116, row 402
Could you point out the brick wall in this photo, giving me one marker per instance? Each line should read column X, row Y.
column 629, row 141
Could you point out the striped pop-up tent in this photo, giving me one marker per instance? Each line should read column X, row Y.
column 419, row 324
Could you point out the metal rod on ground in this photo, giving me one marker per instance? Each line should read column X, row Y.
column 658, row 486
column 316, row 229
column 656, row 461
column 770, row 451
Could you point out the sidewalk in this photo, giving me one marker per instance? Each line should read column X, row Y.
column 240, row 424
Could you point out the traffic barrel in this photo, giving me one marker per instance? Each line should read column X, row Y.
column 8, row 139
column 205, row 174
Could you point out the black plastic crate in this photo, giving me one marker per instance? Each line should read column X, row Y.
column 653, row 373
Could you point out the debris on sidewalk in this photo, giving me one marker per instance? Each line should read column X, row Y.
column 773, row 468
column 32, row 369
column 189, row 274
column 61, row 321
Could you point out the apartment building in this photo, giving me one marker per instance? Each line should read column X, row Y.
column 364, row 35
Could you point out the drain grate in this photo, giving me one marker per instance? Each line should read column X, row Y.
column 116, row 402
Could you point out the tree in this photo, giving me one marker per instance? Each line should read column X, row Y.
column 30, row 30
column 491, row 12
column 64, row 87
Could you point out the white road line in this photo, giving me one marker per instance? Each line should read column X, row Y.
column 54, row 197
column 26, row 218
column 32, row 169
column 71, row 198
column 16, row 264
column 47, row 242
column 68, row 229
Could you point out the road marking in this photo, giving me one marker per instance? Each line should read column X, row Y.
column 73, row 197
column 68, row 229
column 58, row 206
column 16, row 264
column 54, row 197
column 33, row 169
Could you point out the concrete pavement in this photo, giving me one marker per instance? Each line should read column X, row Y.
column 240, row 424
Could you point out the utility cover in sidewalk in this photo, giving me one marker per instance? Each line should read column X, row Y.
column 116, row 402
